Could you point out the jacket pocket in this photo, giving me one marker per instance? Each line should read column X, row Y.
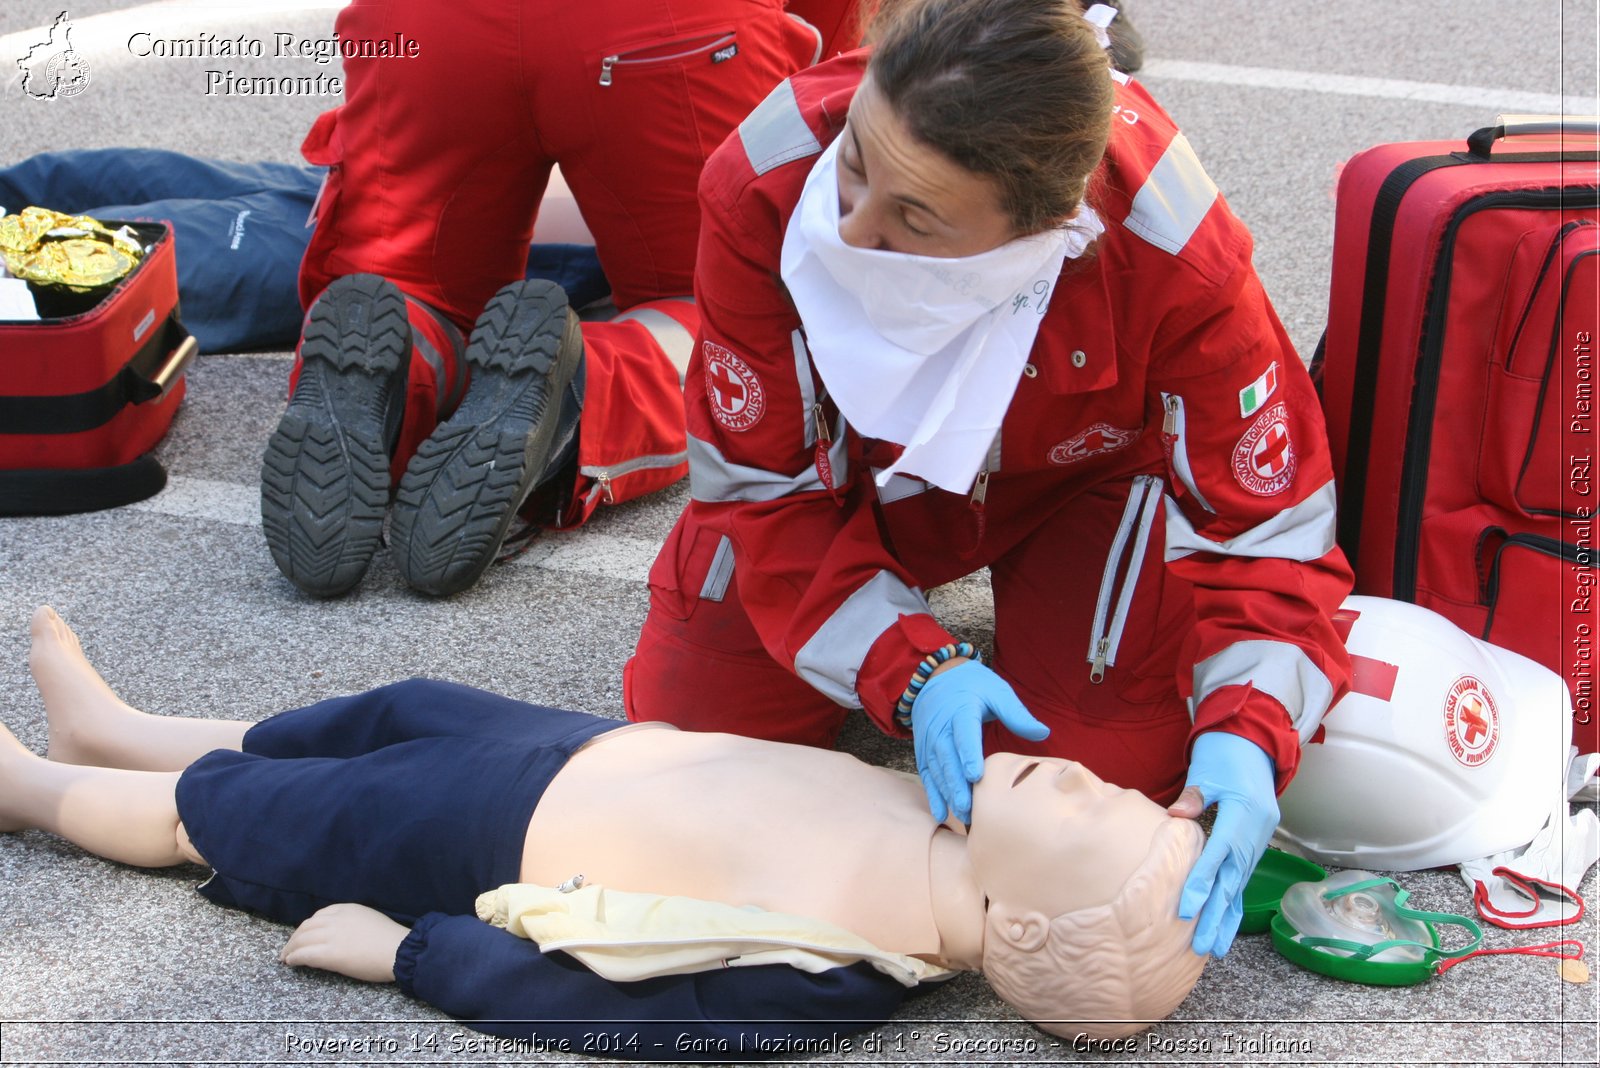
column 695, row 564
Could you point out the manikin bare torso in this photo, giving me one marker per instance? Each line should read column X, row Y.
column 785, row 828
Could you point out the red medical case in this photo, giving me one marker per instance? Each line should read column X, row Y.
column 1458, row 377
column 87, row 392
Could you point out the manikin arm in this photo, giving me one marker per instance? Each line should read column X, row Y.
column 504, row 985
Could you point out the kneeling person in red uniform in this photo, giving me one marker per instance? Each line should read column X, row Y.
column 969, row 300
column 415, row 366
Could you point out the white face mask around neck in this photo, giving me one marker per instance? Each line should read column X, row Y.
column 922, row 351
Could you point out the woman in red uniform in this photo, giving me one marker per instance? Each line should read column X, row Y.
column 969, row 300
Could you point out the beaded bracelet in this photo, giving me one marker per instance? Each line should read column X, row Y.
column 925, row 670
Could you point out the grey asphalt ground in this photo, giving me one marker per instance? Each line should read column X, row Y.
column 180, row 606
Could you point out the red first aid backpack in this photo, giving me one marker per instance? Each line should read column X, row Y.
column 1458, row 376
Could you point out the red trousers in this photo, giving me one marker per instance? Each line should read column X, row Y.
column 701, row 665
column 438, row 163
column 840, row 22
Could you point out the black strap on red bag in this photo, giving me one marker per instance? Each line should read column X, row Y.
column 149, row 375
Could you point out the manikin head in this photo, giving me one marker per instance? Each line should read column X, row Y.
column 1082, row 934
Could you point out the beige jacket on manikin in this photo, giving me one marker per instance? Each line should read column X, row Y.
column 625, row 936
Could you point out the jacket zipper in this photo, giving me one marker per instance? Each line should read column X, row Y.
column 980, row 494
column 1177, row 455
column 824, row 465
column 610, row 63
column 1116, row 581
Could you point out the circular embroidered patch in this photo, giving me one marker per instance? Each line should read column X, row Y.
column 737, row 399
column 1471, row 721
column 1100, row 438
column 1264, row 459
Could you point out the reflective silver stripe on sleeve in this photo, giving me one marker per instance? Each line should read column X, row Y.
column 776, row 133
column 715, row 587
column 1303, row 533
column 1174, row 199
column 713, row 478
column 669, row 334
column 808, row 392
column 832, row 659
column 1278, row 669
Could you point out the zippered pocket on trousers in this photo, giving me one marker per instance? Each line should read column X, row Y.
column 712, row 46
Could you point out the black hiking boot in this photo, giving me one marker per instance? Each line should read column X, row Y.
column 464, row 486
column 325, row 475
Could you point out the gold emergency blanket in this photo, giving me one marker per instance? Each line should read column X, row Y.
column 55, row 249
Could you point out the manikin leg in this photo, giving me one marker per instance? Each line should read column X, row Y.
column 127, row 816
column 124, row 811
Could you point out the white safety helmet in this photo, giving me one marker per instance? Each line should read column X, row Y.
column 1446, row 749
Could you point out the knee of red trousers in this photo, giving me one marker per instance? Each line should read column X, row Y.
column 698, row 675
column 1137, row 747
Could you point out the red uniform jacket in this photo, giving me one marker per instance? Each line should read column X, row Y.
column 1159, row 354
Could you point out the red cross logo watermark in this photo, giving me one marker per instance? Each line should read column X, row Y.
column 1471, row 721
column 1100, row 438
column 1264, row 458
column 737, row 399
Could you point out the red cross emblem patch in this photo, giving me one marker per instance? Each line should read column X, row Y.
column 737, row 399
column 1471, row 721
column 1100, row 438
column 1264, row 458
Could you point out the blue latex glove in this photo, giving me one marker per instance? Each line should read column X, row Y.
column 1237, row 776
column 947, row 729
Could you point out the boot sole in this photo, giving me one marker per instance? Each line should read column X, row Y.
column 463, row 487
column 325, row 475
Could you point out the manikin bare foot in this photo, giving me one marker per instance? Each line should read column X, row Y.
column 91, row 726
column 77, row 700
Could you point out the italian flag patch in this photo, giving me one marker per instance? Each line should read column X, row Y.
column 1257, row 393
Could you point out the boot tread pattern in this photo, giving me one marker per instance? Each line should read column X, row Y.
column 325, row 474
column 463, row 487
